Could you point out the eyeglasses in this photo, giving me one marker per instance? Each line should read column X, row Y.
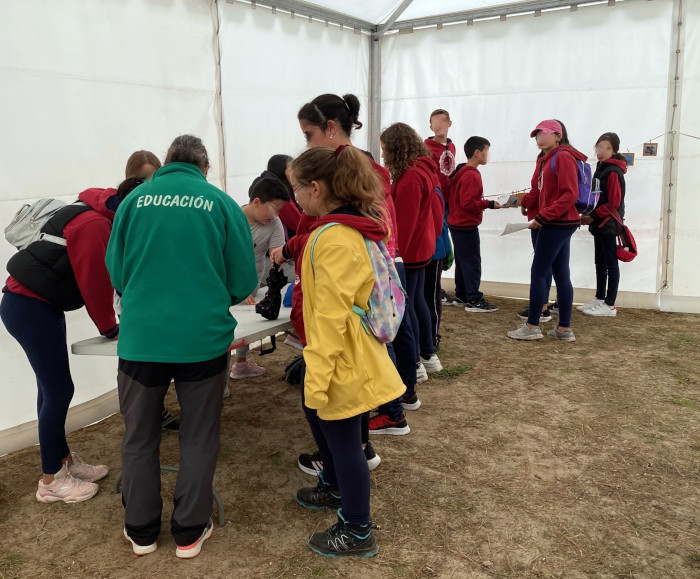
column 298, row 186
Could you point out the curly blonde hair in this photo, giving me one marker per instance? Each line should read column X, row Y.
column 402, row 146
column 349, row 176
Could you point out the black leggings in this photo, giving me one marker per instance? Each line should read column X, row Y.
column 607, row 268
column 344, row 462
column 40, row 329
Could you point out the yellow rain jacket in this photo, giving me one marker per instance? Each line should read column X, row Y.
column 348, row 371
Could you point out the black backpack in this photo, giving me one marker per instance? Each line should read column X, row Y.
column 44, row 266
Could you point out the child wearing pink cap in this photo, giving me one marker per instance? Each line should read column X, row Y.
column 557, row 178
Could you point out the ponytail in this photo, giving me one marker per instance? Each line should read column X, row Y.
column 348, row 175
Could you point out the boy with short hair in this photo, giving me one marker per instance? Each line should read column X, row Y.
column 441, row 148
column 267, row 197
column 443, row 151
column 466, row 212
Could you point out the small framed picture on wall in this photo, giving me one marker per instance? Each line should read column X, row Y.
column 630, row 158
column 650, row 149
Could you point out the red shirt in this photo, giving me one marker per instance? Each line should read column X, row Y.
column 86, row 238
column 468, row 203
column 559, row 190
column 444, row 157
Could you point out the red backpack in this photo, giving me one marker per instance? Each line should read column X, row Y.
column 626, row 245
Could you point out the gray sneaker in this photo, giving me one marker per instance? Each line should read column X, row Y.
column 525, row 333
column 567, row 336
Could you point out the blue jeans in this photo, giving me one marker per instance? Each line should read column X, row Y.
column 551, row 259
column 40, row 329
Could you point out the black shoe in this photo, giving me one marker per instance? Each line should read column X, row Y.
column 410, row 402
column 168, row 421
column 554, row 308
column 322, row 496
column 344, row 540
column 312, row 463
column 480, row 306
column 447, row 299
column 545, row 316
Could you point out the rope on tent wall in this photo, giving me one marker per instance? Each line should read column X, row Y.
column 218, row 97
column 666, row 257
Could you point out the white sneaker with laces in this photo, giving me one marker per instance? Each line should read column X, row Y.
column 191, row 551
column 588, row 305
column 66, row 488
column 432, row 364
column 601, row 310
column 421, row 374
column 84, row 471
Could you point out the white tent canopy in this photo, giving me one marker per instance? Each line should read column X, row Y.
column 87, row 83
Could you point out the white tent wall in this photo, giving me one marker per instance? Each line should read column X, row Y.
column 271, row 65
column 685, row 237
column 598, row 69
column 84, row 84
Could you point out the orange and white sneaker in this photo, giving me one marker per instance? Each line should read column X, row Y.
column 191, row 551
column 84, row 471
column 66, row 488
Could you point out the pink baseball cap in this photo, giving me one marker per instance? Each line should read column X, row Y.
column 547, row 127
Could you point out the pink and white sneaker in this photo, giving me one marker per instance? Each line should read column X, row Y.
column 66, row 488
column 601, row 310
column 84, row 471
column 247, row 369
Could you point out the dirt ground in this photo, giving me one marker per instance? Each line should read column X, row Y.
column 534, row 459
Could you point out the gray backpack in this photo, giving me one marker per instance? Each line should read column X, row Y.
column 26, row 225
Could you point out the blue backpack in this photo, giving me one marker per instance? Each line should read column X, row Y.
column 588, row 195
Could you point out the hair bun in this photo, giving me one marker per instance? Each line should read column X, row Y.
column 352, row 103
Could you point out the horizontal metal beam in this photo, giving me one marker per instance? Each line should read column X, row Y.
column 304, row 9
column 507, row 10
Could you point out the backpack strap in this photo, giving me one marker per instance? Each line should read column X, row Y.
column 54, row 226
column 313, row 243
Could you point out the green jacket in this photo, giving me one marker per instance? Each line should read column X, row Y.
column 181, row 254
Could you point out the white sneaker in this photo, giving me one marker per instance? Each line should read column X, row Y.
column 191, row 551
column 66, row 488
column 432, row 364
column 140, row 549
column 601, row 310
column 227, row 392
column 421, row 374
column 588, row 305
column 84, row 471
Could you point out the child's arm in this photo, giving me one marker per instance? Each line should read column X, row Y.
column 471, row 194
column 336, row 281
column 239, row 257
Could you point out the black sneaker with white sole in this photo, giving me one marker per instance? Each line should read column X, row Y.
column 545, row 316
column 322, row 496
column 312, row 463
column 411, row 402
column 344, row 540
column 480, row 306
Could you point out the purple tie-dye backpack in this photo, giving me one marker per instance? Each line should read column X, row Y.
column 387, row 301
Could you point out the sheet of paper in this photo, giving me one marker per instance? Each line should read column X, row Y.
column 513, row 227
column 503, row 199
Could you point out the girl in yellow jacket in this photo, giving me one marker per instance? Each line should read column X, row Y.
column 348, row 372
